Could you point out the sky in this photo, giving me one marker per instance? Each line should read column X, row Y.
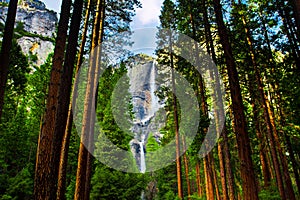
column 144, row 24
column 148, row 15
column 145, row 17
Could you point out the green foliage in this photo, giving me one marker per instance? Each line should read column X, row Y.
column 270, row 193
column 112, row 184
column 117, row 184
column 3, row 4
column 17, row 141
column 152, row 144
column 20, row 186
column 20, row 32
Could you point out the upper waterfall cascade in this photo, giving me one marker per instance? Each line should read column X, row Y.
column 145, row 106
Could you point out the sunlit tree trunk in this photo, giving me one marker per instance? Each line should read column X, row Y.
column 223, row 145
column 186, row 167
column 5, row 49
column 198, row 179
column 247, row 171
column 206, row 161
column 269, row 121
column 61, row 186
column 81, row 182
column 215, row 179
column 215, row 78
column 92, row 122
column 44, row 171
column 65, row 92
column 209, row 187
column 176, row 125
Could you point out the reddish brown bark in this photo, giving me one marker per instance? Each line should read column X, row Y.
column 186, row 167
column 65, row 92
column 215, row 179
column 80, row 187
column 219, row 109
column 271, row 127
column 209, row 188
column 176, row 126
column 229, row 173
column 247, row 172
column 92, row 121
column 44, row 171
column 61, row 186
column 198, row 179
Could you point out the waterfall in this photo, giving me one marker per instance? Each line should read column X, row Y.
column 154, row 99
column 142, row 154
column 145, row 105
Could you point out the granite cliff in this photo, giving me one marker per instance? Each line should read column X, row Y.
column 35, row 28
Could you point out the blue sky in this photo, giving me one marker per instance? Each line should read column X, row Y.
column 145, row 17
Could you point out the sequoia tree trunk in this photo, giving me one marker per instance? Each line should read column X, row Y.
column 61, row 186
column 44, row 171
column 247, row 171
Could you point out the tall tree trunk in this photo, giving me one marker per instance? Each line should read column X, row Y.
column 176, row 125
column 269, row 121
column 279, row 102
column 5, row 49
column 186, row 167
column 214, row 75
column 206, row 161
column 216, row 185
column 247, row 172
column 92, row 122
column 222, row 171
column 262, row 148
column 209, row 188
column 263, row 104
column 198, row 179
column 43, row 171
column 229, row 173
column 65, row 92
column 80, row 187
column 61, row 186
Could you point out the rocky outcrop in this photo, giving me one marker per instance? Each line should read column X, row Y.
column 36, row 46
column 146, row 105
column 36, row 26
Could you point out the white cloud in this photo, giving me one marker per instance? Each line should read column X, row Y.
column 53, row 5
column 149, row 12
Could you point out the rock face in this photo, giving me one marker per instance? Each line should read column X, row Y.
column 38, row 23
column 142, row 75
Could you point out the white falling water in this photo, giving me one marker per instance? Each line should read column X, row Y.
column 154, row 99
column 142, row 154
